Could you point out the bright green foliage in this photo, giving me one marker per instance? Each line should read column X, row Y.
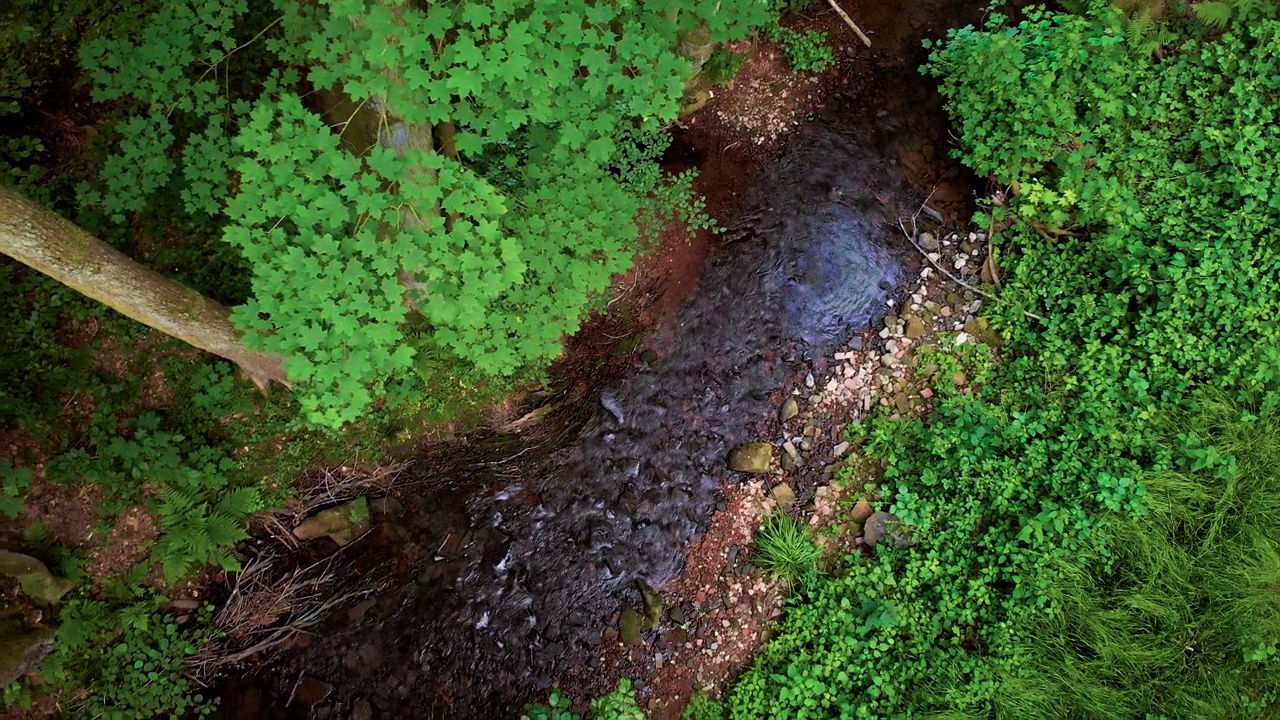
column 1182, row 618
column 617, row 705
column 786, row 549
column 200, row 523
column 502, row 241
column 806, row 51
column 1143, row 205
column 557, row 708
column 131, row 654
column 703, row 707
column 1217, row 14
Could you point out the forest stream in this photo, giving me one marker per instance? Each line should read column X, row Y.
column 522, row 547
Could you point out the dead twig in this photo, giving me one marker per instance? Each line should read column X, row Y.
column 849, row 21
column 911, row 238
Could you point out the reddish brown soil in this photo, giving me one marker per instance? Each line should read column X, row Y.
column 126, row 544
column 67, row 513
column 728, row 612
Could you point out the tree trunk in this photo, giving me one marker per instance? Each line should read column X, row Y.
column 56, row 247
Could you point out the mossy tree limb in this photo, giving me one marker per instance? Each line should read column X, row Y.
column 58, row 248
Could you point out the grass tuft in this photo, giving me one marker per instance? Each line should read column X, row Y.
column 787, row 549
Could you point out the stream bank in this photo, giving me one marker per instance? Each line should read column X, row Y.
column 515, row 552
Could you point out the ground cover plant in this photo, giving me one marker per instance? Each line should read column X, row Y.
column 1071, row 502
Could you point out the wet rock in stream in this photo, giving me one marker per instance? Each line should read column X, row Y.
column 558, row 538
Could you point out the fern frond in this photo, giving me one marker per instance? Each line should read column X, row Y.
column 174, row 566
column 174, row 503
column 1138, row 30
column 224, row 530
column 1214, row 13
column 239, row 503
column 225, row 560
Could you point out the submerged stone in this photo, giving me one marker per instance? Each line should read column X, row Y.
column 630, row 625
column 652, row 606
column 789, row 409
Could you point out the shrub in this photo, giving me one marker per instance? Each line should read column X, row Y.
column 806, row 51
column 703, row 707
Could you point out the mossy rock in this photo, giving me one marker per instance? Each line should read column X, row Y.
column 21, row 650
column 342, row 523
column 756, row 457
column 630, row 624
column 36, row 580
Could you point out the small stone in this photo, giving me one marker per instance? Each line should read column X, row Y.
column 808, row 380
column 945, row 311
column 928, row 241
column 861, row 511
column 806, row 444
column 676, row 614
column 915, row 328
column 357, row 611
column 652, row 605
column 881, row 524
column 888, row 360
column 783, row 494
column 839, row 450
column 755, row 457
column 876, row 526
column 926, row 393
column 788, row 463
column 789, row 409
column 629, row 625
column 790, row 449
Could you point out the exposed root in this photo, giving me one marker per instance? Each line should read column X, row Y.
column 271, row 606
